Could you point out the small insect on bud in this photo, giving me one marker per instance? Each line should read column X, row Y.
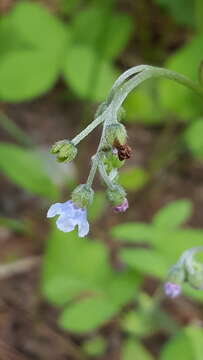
column 82, row 196
column 116, row 133
column 116, row 196
column 124, row 151
column 65, row 150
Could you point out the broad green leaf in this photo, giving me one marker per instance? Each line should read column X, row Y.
column 146, row 261
column 91, row 312
column 25, row 169
column 178, row 98
column 193, row 138
column 87, row 314
column 133, row 179
column 187, row 345
column 26, row 74
column 133, row 232
column 64, row 274
column 87, row 74
column 173, row 214
column 111, row 30
column 133, row 349
column 34, row 37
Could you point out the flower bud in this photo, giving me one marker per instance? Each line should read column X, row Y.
column 66, row 151
column 117, row 195
column 195, row 277
column 172, row 290
column 115, row 133
column 82, row 196
column 111, row 161
column 122, row 207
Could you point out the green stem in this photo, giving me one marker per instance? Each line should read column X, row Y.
column 153, row 72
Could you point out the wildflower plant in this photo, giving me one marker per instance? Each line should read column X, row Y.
column 112, row 152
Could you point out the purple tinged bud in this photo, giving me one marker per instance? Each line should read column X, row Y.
column 172, row 290
column 122, row 207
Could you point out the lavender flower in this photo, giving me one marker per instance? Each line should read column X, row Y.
column 70, row 216
column 172, row 290
column 122, row 207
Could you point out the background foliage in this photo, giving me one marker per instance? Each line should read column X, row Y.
column 58, row 60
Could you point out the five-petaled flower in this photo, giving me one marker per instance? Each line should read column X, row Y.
column 69, row 216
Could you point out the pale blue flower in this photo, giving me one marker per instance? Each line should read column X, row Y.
column 70, row 216
column 172, row 290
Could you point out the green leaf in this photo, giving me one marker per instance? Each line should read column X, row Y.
column 92, row 312
column 90, row 78
column 173, row 214
column 178, row 98
column 133, row 179
column 182, row 11
column 39, row 37
column 133, row 232
column 111, row 30
column 25, row 168
column 95, row 346
column 187, row 344
column 98, row 206
column 147, row 261
column 28, row 69
column 193, row 138
column 133, row 349
column 64, row 274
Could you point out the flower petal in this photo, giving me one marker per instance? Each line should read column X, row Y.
column 83, row 228
column 54, row 210
column 65, row 224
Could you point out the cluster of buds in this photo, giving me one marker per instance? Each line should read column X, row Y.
column 187, row 270
column 110, row 156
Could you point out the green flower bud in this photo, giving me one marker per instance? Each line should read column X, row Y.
column 195, row 277
column 111, row 161
column 66, row 151
column 115, row 133
column 117, row 195
column 177, row 274
column 82, row 195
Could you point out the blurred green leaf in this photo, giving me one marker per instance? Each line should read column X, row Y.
column 111, row 30
column 24, row 168
column 98, row 206
column 40, row 37
column 92, row 312
column 101, row 292
column 95, row 346
column 147, row 261
column 87, row 74
column 133, row 349
column 18, row 226
column 182, row 11
column 142, row 107
column 187, row 344
column 133, row 179
column 133, row 232
column 173, row 214
column 193, row 138
column 177, row 98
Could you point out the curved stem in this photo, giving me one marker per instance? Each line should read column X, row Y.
column 153, row 72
